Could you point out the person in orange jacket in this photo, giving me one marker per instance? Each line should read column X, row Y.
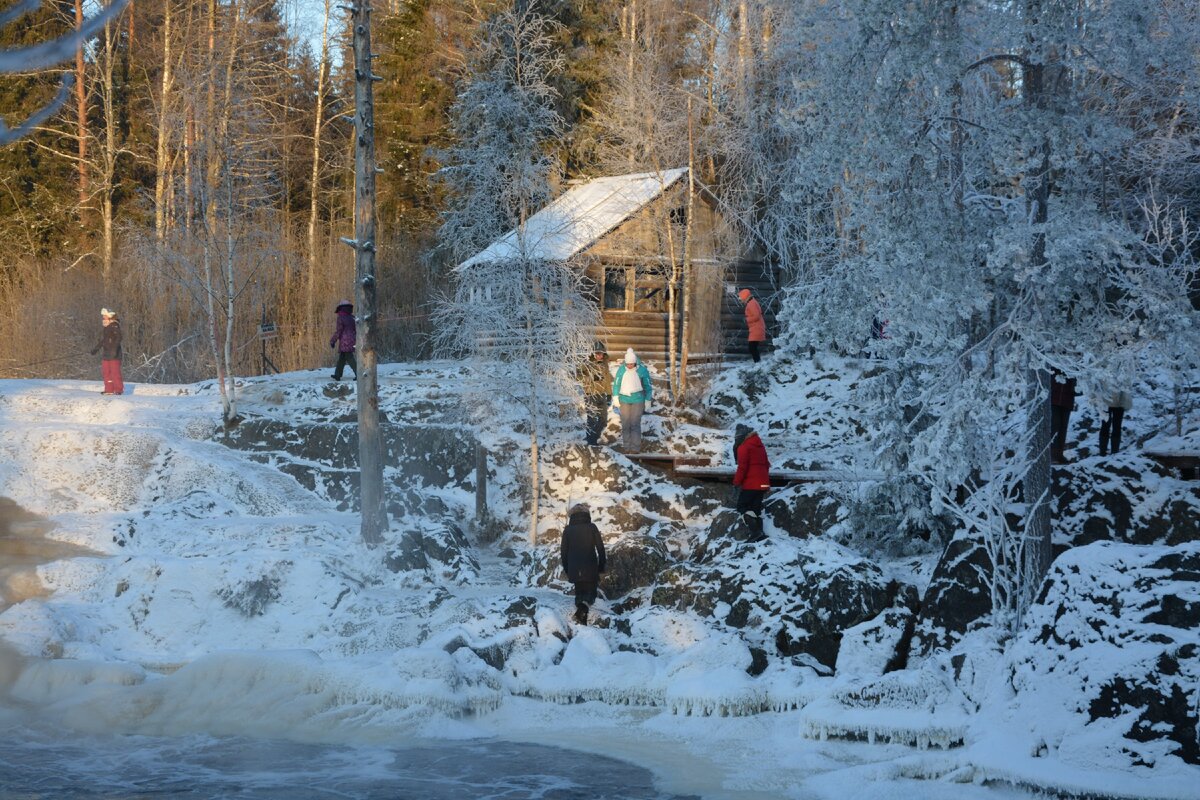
column 756, row 326
column 753, row 476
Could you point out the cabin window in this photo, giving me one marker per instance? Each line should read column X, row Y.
column 615, row 284
column 650, row 294
column 650, row 290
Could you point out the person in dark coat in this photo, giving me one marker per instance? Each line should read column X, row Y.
column 752, row 477
column 583, row 558
column 109, row 348
column 345, row 336
column 756, row 325
column 1062, row 403
column 597, row 383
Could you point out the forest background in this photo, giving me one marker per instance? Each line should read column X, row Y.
column 200, row 177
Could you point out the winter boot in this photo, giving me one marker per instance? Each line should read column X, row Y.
column 581, row 614
column 755, row 523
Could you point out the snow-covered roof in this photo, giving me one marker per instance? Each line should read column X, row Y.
column 580, row 217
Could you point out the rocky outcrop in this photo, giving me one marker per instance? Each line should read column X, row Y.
column 798, row 600
column 803, row 510
column 633, row 563
column 440, row 550
column 1124, row 499
column 957, row 598
column 323, row 457
column 873, row 647
column 1113, row 644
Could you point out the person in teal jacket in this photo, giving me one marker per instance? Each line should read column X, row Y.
column 631, row 395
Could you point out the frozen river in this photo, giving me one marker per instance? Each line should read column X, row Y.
column 36, row 765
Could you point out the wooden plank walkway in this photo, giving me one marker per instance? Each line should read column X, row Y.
column 1186, row 461
column 702, row 468
column 781, row 477
column 669, row 459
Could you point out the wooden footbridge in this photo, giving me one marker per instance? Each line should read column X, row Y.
column 704, row 470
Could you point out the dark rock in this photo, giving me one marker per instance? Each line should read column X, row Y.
column 252, row 597
column 323, row 457
column 438, row 549
column 595, row 465
column 957, row 598
column 523, row 608
column 739, row 615
column 758, row 662
column 627, row 519
column 829, row 599
column 870, row 648
column 802, row 511
column 729, row 524
column 633, row 563
column 681, row 589
column 1124, row 499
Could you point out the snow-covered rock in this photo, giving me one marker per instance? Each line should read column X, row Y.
column 867, row 649
column 1107, row 669
column 957, row 599
column 1124, row 498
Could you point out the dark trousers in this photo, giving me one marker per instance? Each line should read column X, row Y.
column 751, row 500
column 1110, row 430
column 597, row 416
column 1060, row 420
column 754, row 350
column 585, row 595
column 343, row 360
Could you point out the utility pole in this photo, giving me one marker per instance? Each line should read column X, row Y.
column 370, row 439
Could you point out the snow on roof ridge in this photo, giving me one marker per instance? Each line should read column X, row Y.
column 582, row 215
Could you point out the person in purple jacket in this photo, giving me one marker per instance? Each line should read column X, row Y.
column 344, row 338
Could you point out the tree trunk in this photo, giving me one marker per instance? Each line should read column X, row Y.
column 230, row 292
column 315, row 181
column 672, row 310
column 1037, row 487
column 687, row 258
column 1037, row 484
column 161, row 160
column 370, row 441
column 81, row 114
column 210, row 305
column 107, row 96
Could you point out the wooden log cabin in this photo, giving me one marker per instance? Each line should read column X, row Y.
column 625, row 232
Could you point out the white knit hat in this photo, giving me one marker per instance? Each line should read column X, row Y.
column 104, row 312
column 630, row 356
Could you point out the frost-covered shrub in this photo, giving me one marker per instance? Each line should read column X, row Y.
column 892, row 517
column 250, row 596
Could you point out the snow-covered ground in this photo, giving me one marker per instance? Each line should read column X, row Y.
column 228, row 594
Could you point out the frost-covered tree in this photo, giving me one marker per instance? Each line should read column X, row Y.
column 522, row 320
column 976, row 174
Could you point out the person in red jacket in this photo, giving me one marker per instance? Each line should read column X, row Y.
column 753, row 476
column 756, row 326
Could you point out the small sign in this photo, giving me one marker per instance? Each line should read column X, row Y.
column 267, row 330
